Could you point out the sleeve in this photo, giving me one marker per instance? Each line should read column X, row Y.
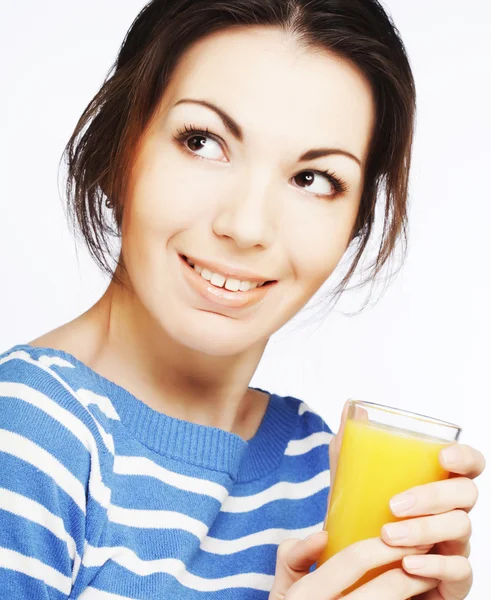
column 45, row 465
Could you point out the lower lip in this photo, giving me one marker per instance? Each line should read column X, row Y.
column 221, row 296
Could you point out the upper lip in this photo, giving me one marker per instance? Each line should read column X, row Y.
column 228, row 271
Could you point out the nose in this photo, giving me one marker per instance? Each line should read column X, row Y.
column 246, row 217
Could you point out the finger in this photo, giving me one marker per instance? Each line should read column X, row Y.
column 445, row 568
column 361, row 414
column 463, row 460
column 347, row 566
column 454, row 573
column 453, row 547
column 342, row 425
column 335, row 447
column 294, row 559
column 435, row 498
column 395, row 584
column 454, row 525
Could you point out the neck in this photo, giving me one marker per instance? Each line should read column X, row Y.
column 169, row 377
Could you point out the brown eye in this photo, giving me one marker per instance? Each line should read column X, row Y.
column 196, row 142
column 200, row 144
column 315, row 182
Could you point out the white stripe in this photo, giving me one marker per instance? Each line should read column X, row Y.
column 142, row 466
column 163, row 519
column 297, row 447
column 104, row 404
column 282, row 490
column 95, row 557
column 23, row 392
column 260, row 538
column 49, row 361
column 304, row 407
column 9, row 559
column 134, row 465
column 37, row 513
column 22, row 448
column 92, row 593
column 30, row 395
column 98, row 490
column 77, row 563
column 156, row 519
column 255, row 581
column 107, row 438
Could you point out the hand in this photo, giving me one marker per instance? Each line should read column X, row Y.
column 295, row 557
column 448, row 529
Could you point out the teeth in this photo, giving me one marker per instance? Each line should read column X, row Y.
column 218, row 280
column 206, row 274
column 233, row 285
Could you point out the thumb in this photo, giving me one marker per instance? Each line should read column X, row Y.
column 293, row 561
column 335, row 447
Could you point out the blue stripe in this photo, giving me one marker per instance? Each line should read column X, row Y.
column 15, row 585
column 40, row 543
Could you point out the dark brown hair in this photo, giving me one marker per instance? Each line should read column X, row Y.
column 100, row 152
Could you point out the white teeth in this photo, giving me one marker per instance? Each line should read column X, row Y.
column 206, row 274
column 231, row 284
column 217, row 280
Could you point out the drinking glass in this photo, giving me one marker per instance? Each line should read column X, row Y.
column 384, row 451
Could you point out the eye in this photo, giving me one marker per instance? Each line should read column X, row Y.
column 320, row 183
column 200, row 143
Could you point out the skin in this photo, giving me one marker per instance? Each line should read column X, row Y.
column 240, row 203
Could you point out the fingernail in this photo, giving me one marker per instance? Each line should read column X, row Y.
column 451, row 455
column 414, row 562
column 402, row 503
column 317, row 533
column 396, row 531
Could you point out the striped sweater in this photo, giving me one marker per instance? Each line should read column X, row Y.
column 102, row 497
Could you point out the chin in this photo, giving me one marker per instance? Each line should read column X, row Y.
column 214, row 334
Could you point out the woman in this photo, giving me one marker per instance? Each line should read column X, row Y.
column 240, row 148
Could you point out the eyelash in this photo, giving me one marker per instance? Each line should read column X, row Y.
column 182, row 135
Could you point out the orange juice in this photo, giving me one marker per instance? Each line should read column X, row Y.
column 376, row 462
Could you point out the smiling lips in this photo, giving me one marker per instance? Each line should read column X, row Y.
column 222, row 281
column 225, row 288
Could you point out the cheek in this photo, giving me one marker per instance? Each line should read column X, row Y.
column 171, row 194
column 318, row 247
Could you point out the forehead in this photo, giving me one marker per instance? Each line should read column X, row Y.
column 271, row 85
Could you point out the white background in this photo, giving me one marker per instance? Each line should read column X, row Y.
column 425, row 346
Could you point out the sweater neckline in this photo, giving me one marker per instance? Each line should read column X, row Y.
column 200, row 445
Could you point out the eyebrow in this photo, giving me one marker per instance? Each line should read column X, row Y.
column 234, row 128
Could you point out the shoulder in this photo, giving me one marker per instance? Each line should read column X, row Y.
column 309, row 419
column 41, row 410
column 50, row 454
column 311, row 432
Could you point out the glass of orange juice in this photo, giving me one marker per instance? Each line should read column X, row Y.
column 384, row 451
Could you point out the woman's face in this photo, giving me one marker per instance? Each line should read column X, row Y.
column 252, row 169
